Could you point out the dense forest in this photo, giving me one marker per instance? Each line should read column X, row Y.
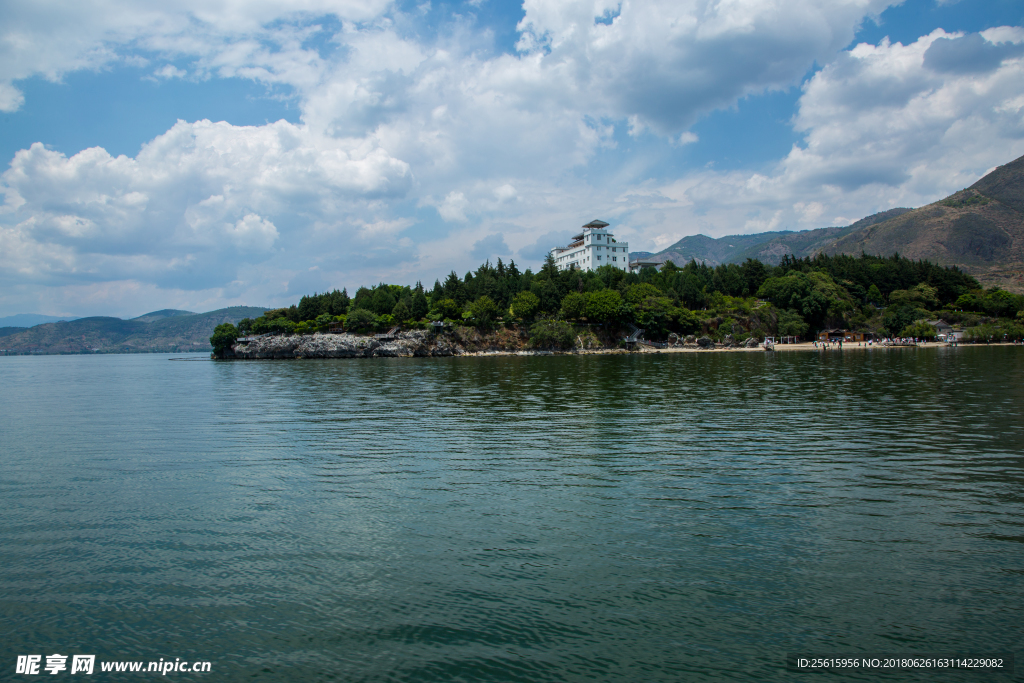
column 888, row 296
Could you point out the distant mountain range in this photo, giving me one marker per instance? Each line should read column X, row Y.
column 980, row 229
column 166, row 331
column 31, row 319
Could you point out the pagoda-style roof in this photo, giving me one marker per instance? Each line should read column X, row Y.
column 596, row 224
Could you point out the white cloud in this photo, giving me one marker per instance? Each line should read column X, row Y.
column 170, row 71
column 882, row 130
column 194, row 204
column 11, row 98
column 665, row 63
column 253, row 232
column 392, row 121
column 453, row 208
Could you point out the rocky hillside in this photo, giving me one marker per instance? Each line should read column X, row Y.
column 767, row 247
column 980, row 229
column 157, row 332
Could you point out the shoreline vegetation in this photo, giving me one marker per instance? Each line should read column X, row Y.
column 498, row 309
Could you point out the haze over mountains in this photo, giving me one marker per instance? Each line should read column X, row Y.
column 165, row 331
column 980, row 229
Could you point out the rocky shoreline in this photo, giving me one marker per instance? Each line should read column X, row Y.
column 422, row 344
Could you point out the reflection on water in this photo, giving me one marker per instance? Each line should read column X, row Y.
column 654, row 517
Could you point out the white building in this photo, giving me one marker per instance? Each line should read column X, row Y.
column 591, row 249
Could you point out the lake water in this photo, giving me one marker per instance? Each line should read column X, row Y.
column 690, row 517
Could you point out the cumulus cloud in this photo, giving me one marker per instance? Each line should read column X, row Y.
column 11, row 98
column 54, row 38
column 253, row 232
column 883, row 128
column 667, row 62
column 397, row 122
column 490, row 247
column 195, row 203
column 453, row 208
column 968, row 54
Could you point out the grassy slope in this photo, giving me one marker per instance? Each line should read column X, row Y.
column 112, row 335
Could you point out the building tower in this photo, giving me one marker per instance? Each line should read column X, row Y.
column 592, row 248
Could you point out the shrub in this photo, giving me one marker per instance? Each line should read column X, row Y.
column 224, row 336
column 552, row 334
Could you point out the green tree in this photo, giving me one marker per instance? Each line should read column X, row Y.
column 874, row 296
column 814, row 295
column 898, row 318
column 446, row 309
column 922, row 295
column 281, row 325
column 919, row 329
column 547, row 293
column 603, row 306
column 312, row 306
column 484, row 311
column 245, row 326
column 339, row 302
column 688, row 321
column 361, row 320
column 999, row 302
column 363, row 299
column 224, row 336
column 791, row 324
column 383, row 300
column 420, row 307
column 524, row 305
column 574, row 306
column 637, row 293
column 968, row 302
column 402, row 311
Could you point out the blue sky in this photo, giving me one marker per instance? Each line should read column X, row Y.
column 196, row 155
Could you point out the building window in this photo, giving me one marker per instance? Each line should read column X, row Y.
column 598, row 258
column 615, row 258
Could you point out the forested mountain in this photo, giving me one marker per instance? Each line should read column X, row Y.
column 979, row 229
column 167, row 331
